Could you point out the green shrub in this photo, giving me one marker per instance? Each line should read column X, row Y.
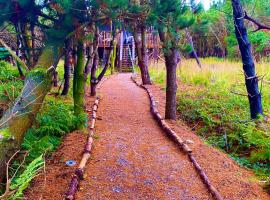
column 37, row 145
column 10, row 90
column 54, row 121
column 7, row 71
column 10, row 84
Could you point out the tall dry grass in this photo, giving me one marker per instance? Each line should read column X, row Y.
column 214, row 97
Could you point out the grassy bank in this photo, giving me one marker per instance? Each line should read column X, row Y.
column 212, row 101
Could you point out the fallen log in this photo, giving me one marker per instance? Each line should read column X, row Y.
column 183, row 146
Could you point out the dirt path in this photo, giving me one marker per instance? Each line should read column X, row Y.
column 133, row 159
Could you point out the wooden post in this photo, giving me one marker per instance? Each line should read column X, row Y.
column 121, row 49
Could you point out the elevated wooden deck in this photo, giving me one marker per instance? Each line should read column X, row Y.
column 152, row 40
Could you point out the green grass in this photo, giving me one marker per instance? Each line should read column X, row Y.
column 208, row 103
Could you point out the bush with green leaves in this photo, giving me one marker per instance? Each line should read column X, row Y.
column 10, row 84
column 7, row 71
column 53, row 122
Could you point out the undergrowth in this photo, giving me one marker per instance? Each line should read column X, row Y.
column 10, row 85
column 52, row 123
column 55, row 119
column 209, row 101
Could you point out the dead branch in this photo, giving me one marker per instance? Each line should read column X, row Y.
column 7, row 192
column 259, row 25
column 240, row 94
column 14, row 55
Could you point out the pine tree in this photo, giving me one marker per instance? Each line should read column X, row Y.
column 58, row 20
column 170, row 17
column 251, row 79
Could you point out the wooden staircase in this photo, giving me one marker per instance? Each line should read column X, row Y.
column 126, row 64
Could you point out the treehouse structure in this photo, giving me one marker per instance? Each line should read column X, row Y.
column 126, row 50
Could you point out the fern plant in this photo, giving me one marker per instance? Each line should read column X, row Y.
column 20, row 183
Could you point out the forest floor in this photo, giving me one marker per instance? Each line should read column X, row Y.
column 132, row 157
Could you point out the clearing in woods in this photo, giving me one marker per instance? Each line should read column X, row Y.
column 132, row 157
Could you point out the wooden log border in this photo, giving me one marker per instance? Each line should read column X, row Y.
column 183, row 146
column 79, row 172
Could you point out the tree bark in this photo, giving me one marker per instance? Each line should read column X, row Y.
column 251, row 78
column 89, row 62
column 90, row 57
column 93, row 79
column 171, row 89
column 142, row 56
column 19, row 118
column 67, row 68
column 20, row 70
column 78, row 83
column 171, row 61
column 55, row 79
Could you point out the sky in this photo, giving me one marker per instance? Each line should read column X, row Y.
column 206, row 3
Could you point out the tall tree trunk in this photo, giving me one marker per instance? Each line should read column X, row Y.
column 251, row 78
column 142, row 55
column 78, row 83
column 89, row 62
column 93, row 79
column 171, row 87
column 171, row 60
column 55, row 79
column 18, row 53
column 67, row 68
column 19, row 118
column 90, row 57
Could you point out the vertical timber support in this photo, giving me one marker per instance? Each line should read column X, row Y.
column 121, row 49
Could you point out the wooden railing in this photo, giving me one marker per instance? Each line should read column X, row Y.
column 152, row 40
column 104, row 39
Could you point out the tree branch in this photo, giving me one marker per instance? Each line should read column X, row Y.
column 13, row 54
column 259, row 25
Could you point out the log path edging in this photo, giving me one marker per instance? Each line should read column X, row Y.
column 184, row 147
column 79, row 172
column 78, row 175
